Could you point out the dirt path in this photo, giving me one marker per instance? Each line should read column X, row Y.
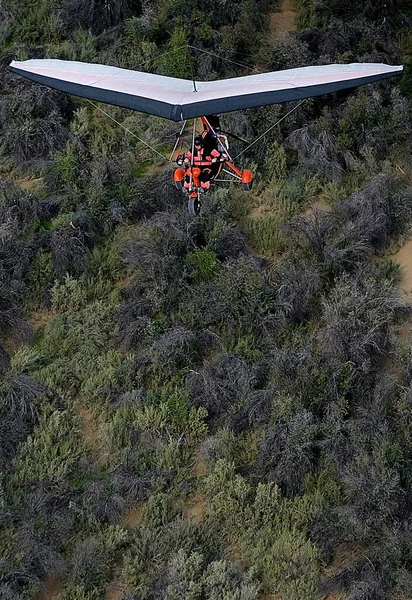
column 91, row 431
column 27, row 184
column 39, row 319
column 282, row 22
column 53, row 587
column 194, row 508
column 11, row 343
column 133, row 515
column 114, row 593
column 403, row 258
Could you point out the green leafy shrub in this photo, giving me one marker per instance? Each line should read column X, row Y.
column 229, row 301
column 51, row 454
column 65, row 169
column 241, row 450
column 136, row 50
column 81, row 46
column 159, row 510
column 389, row 271
column 39, row 279
column 113, row 371
column 189, row 575
column 167, row 416
column 265, row 234
column 37, row 24
column 276, row 163
column 203, row 265
column 268, row 530
column 75, row 294
column 78, row 592
column 72, row 343
column 92, row 558
column 176, row 62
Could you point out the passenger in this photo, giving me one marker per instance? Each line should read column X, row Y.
column 204, row 159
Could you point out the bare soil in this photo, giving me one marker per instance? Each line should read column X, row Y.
column 345, row 555
column 404, row 258
column 52, row 589
column 256, row 211
column 27, row 184
column 200, row 468
column 319, row 204
column 194, row 508
column 280, row 23
column 10, row 344
column 133, row 515
column 260, row 209
column 114, row 592
column 90, row 428
column 39, row 319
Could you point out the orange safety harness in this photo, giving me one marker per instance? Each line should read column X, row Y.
column 199, row 160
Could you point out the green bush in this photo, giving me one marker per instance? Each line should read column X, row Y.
column 230, row 301
column 37, row 24
column 78, row 592
column 167, row 416
column 135, row 51
column 51, row 454
column 66, row 168
column 276, row 163
column 268, row 530
column 203, row 265
column 159, row 510
column 71, row 345
column 76, row 294
column 266, row 235
column 176, row 62
column 81, row 46
column 40, row 279
column 112, row 370
column 241, row 450
column 192, row 579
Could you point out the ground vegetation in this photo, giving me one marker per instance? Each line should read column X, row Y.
column 217, row 407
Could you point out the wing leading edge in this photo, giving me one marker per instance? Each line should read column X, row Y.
column 175, row 99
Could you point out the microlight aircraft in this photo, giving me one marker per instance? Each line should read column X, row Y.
column 182, row 99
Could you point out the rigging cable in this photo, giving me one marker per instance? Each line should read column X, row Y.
column 221, row 58
column 270, row 128
column 126, row 129
column 226, row 59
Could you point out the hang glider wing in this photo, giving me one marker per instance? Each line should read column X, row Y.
column 176, row 99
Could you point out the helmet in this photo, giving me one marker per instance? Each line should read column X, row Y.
column 199, row 141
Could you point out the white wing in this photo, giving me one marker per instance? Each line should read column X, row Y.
column 175, row 99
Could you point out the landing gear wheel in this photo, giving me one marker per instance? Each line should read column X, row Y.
column 193, row 206
column 247, row 186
